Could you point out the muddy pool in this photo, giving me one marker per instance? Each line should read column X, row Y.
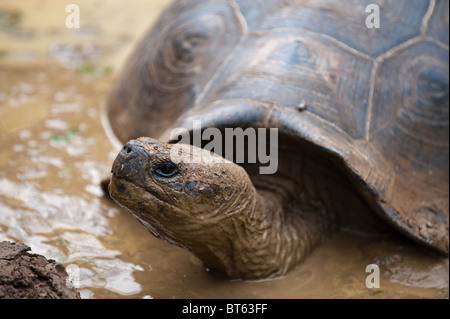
column 54, row 152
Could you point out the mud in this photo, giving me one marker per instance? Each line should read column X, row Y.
column 29, row 276
column 54, row 153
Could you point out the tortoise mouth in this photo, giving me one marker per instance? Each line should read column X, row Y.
column 142, row 204
column 121, row 188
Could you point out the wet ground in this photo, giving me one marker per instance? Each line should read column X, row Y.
column 54, row 153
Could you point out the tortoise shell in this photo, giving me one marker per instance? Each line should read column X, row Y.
column 376, row 99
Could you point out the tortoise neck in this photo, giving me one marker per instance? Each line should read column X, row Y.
column 265, row 238
column 279, row 235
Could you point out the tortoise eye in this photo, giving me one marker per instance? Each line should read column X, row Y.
column 167, row 169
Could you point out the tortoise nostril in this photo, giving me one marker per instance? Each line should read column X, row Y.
column 128, row 148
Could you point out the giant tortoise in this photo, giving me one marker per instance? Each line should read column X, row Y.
column 359, row 107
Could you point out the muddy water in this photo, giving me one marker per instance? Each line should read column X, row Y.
column 54, row 152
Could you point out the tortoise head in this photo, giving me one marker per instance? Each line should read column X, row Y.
column 174, row 191
column 208, row 205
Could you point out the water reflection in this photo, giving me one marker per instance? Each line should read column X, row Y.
column 54, row 153
column 52, row 223
column 51, row 167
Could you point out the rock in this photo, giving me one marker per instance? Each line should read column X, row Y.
column 30, row 276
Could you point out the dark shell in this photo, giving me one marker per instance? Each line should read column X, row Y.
column 375, row 98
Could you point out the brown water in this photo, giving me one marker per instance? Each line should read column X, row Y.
column 54, row 152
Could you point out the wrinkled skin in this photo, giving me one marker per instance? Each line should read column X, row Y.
column 198, row 196
column 209, row 206
column 362, row 119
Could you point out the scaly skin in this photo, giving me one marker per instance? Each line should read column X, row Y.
column 214, row 211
